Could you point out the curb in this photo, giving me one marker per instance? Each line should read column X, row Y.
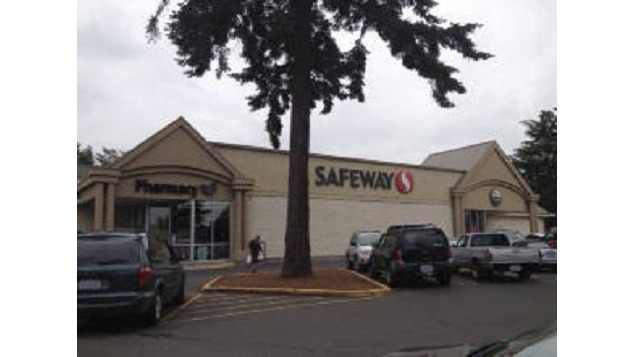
column 378, row 291
column 208, row 266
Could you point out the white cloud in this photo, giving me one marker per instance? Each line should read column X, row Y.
column 128, row 89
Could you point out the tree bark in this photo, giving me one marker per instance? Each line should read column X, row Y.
column 297, row 261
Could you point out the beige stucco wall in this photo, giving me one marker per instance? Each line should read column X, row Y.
column 179, row 148
column 270, row 171
column 332, row 221
column 492, row 168
column 479, row 200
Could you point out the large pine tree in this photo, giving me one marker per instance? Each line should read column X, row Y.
column 536, row 159
column 294, row 61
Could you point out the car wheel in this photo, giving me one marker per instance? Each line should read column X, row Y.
column 481, row 273
column 524, row 275
column 390, row 279
column 444, row 278
column 154, row 314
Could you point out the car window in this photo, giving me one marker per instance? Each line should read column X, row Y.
column 368, row 238
column 105, row 252
column 390, row 240
column 462, row 242
column 489, row 240
column 427, row 238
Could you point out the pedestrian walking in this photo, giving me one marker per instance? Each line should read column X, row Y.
column 257, row 252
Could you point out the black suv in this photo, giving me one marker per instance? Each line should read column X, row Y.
column 125, row 274
column 412, row 250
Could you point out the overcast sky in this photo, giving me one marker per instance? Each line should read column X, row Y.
column 128, row 89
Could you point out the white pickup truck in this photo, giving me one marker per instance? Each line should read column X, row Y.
column 487, row 253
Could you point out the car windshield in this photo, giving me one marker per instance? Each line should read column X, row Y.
column 552, row 235
column 368, row 238
column 426, row 238
column 489, row 240
column 104, row 252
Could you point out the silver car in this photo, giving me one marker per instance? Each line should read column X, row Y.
column 359, row 249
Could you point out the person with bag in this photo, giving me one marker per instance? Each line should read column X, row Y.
column 257, row 252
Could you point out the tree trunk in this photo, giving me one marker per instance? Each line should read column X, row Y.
column 297, row 239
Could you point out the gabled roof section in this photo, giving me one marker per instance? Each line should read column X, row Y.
column 492, row 164
column 192, row 150
column 463, row 159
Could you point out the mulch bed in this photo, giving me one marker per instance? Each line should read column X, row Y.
column 325, row 279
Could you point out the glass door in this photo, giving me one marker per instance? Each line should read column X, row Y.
column 159, row 223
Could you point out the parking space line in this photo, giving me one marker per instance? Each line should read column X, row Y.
column 183, row 306
column 273, row 308
column 250, row 303
column 211, row 301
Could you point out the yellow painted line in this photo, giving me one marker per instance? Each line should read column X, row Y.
column 205, row 302
column 372, row 281
column 274, row 308
column 210, row 282
column 380, row 289
column 212, row 266
column 184, row 305
column 253, row 303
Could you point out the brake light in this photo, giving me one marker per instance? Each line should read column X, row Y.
column 449, row 253
column 398, row 256
column 143, row 274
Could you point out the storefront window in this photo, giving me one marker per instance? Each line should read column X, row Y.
column 211, row 240
column 197, row 230
column 181, row 230
column 130, row 217
column 474, row 221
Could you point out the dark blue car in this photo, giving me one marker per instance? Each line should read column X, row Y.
column 122, row 274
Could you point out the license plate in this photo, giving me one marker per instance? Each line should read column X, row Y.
column 515, row 268
column 550, row 255
column 427, row 269
column 89, row 285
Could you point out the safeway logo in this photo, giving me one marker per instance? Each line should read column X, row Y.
column 404, row 181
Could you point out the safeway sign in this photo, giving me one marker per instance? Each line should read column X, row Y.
column 403, row 180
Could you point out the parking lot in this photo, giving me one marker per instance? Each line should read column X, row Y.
column 413, row 315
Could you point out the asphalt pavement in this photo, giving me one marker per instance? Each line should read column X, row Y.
column 412, row 316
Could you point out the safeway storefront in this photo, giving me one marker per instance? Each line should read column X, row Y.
column 208, row 199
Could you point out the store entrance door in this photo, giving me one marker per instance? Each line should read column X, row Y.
column 159, row 221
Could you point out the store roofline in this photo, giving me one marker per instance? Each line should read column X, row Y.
column 328, row 157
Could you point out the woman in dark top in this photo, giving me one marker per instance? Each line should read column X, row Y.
column 256, row 250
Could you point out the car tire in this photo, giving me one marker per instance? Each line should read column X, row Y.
column 154, row 314
column 481, row 273
column 524, row 275
column 444, row 278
